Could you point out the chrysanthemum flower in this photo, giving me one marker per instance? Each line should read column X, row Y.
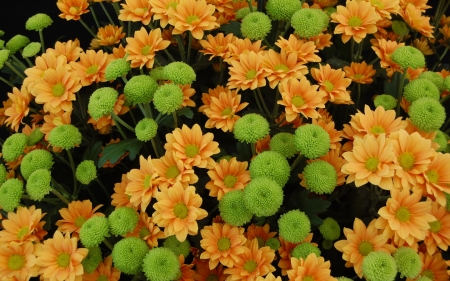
column 118, row 52
column 19, row 107
column 421, row 4
column 423, row 46
column 280, row 67
column 285, row 252
column 434, row 267
column 171, row 170
column 91, row 67
column 23, row 225
column 313, row 268
column 77, row 213
column 136, row 10
column 203, row 273
column 187, row 274
column 178, row 210
column 142, row 47
column 217, row 46
column 384, row 49
column 437, row 177
column 104, row 124
column 147, row 230
column 70, row 50
column 72, row 9
column 53, row 120
column 332, row 81
column 119, row 197
column 191, row 146
column 109, row 35
column 306, row 51
column 360, row 72
column 262, row 233
column 322, row 41
column 247, row 73
column 18, row 261
column 105, row 271
column 385, row 8
column 188, row 92
column 240, row 46
column 439, row 233
column 160, row 9
column 412, row 15
column 42, row 64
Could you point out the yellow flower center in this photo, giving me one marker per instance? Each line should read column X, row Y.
column 146, row 50
column 435, row 226
column 172, row 172
column 377, row 3
column 173, row 5
column 376, row 130
column 250, row 75
column 308, row 278
column 297, row 101
column 74, row 10
column 223, row 244
column 359, row 76
column 432, row 176
column 16, row 262
column 92, row 69
column 328, row 86
column 63, row 260
column 355, row 22
column 80, row 221
column 212, row 277
column 227, row 111
column 191, row 150
column 180, row 210
column 229, row 181
column 372, row 164
column 144, row 232
column 58, row 90
column 140, row 11
column 250, row 266
column 192, row 19
column 102, row 278
column 365, row 247
column 282, row 67
column 406, row 160
column 24, row 230
column 147, row 181
column 428, row 273
column 402, row 214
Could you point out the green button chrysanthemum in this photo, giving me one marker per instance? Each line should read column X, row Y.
column 38, row 184
column 140, row 89
column 434, row 77
column 446, row 80
column 251, row 128
column 10, row 193
column 283, row 143
column 3, row 173
column 400, row 28
column 243, row 12
column 330, row 229
column 320, row 177
column 4, row 55
column 427, row 114
column 233, row 210
column 129, row 253
column 117, row 68
column 92, row 260
column 420, row 88
column 38, row 22
column 31, row 50
column 388, row 102
column 441, row 138
column 408, row 262
column 270, row 164
column 282, row 9
column 179, row 248
column 102, row 102
column 161, row 264
column 179, row 73
column 2, row 33
column 379, row 266
column 34, row 160
column 146, row 129
column 263, row 196
column 309, row 22
column 273, row 243
column 93, row 231
column 13, row 146
column 294, row 226
column 35, row 137
column 256, row 26
column 16, row 43
column 303, row 250
column 408, row 56
column 157, row 73
column 168, row 98
column 343, row 278
column 86, row 171
column 65, row 136
column 122, row 220
column 312, row 141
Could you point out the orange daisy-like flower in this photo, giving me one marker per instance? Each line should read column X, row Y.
column 91, row 67
column 261, row 233
column 384, row 49
column 300, row 97
column 312, row 268
column 105, row 272
column 143, row 183
column 334, row 158
column 18, row 261
column 328, row 126
column 360, row 72
column 247, row 73
column 434, row 267
column 222, row 243
column 285, row 252
column 19, row 107
column 136, row 10
column 305, row 50
column 77, row 213
column 437, row 177
column 333, row 82
column 227, row 176
column 171, row 170
column 52, row 120
column 119, row 197
column 206, row 97
column 104, row 124
column 72, row 9
column 110, row 35
column 360, row 242
column 71, row 50
column 322, row 41
column 412, row 15
column 178, row 210
column 445, row 31
column 439, row 233
column 240, row 46
column 193, row 15
column 355, row 20
column 385, row 8
column 23, row 225
column 281, row 120
column 203, row 273
column 217, row 46
column 60, row 258
column 269, row 277
column 191, row 146
column 280, row 67
column 160, row 9
column 147, row 230
column 118, row 52
column 421, row 4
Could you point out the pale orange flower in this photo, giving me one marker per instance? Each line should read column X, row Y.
column 334, row 83
column 104, row 124
column 119, row 197
column 423, row 46
column 23, row 225
column 136, row 10
column 439, row 233
column 18, row 261
column 160, row 9
column 227, row 176
column 171, row 170
column 110, row 35
column 191, row 146
column 203, row 273
column 410, row 128
column 147, row 230
column 306, row 51
column 421, row 4
column 52, row 120
column 247, row 73
column 322, row 41
column 434, row 267
column 285, row 252
column 19, row 107
column 60, row 258
column 72, row 9
column 269, row 277
column 280, row 67
column 187, row 274
column 334, row 158
column 281, row 120
column 118, row 52
column 142, row 47
column 437, row 177
column 143, row 183
column 75, row 215
column 313, row 268
column 360, row 72
column 262, row 145
column 91, row 67
column 188, row 92
column 412, row 15
column 206, row 97
column 445, row 31
column 105, row 272
column 178, row 210
column 70, row 50
column 6, row 103
column 328, row 126
column 217, row 46
column 222, row 243
column 262, row 233
column 240, row 46
column 384, row 49
column 385, row 8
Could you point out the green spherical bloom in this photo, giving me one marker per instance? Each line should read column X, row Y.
column 3, row 173
column 283, row 143
column 13, row 146
column 161, row 264
column 344, row 279
column 35, row 137
column 2, row 33
column 446, row 81
column 117, row 68
column 327, row 244
column 320, row 177
column 263, row 196
column 16, row 43
column 309, row 22
column 434, row 77
column 146, row 129
column 94, row 231
column 179, row 73
column 10, row 193
column 38, row 184
column 419, row 88
column 312, row 141
column 273, row 243
column 256, row 26
column 35, row 160
column 140, row 89
column 65, row 136
column 330, row 229
column 282, row 9
column 441, row 138
column 303, row 250
column 129, row 253
column 102, row 102
column 270, row 164
column 251, row 128
column 157, row 73
column 233, row 210
column 86, row 171
column 243, row 12
column 427, row 114
column 388, row 102
column 168, row 98
column 122, row 220
column 92, row 260
column 329, row 10
column 294, row 226
column 379, row 266
column 400, row 28
column 38, row 22
column 2, row 44
column 31, row 50
column 179, row 248
column 4, row 55
column 408, row 262
column 408, row 56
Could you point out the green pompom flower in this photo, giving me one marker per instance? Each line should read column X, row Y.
column 102, row 102
column 86, row 171
column 161, row 264
column 434, row 77
column 320, row 177
column 441, row 138
column 270, row 164
column 256, row 26
column 140, row 89
column 283, row 143
column 10, row 193
column 65, row 136
column 294, row 226
column 179, row 73
column 327, row 244
column 243, row 12
column 308, row 23
column 2, row 33
column 330, row 229
column 388, row 102
column 35, row 137
column 312, row 141
column 13, row 146
column 179, row 248
column 16, row 43
column 35, row 160
column 122, row 220
column 408, row 262
column 4, row 55
column 303, row 250
column 273, row 243
column 94, row 231
column 168, row 98
column 117, row 68
column 92, row 260
column 38, row 22
column 3, row 174
column 251, row 128
column 400, row 28
column 408, row 56
column 427, row 114
column 263, row 196
column 419, row 88
column 343, row 278
column 38, row 184
column 146, row 129
column 446, row 80
column 379, row 266
column 157, row 73
column 31, row 50
column 282, row 9
column 233, row 210
column 129, row 253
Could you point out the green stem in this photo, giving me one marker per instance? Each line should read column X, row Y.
column 267, row 43
column 132, row 117
column 221, row 70
column 276, row 105
column 103, row 187
column 181, row 47
column 175, row 119
column 95, row 18
column 250, row 7
column 87, row 27
column 49, row 200
column 124, row 78
column 72, row 166
column 123, row 123
column 253, row 148
column 108, row 244
column 445, row 99
column 30, row 64
column 440, row 58
column 169, row 55
column 263, row 103
column 59, row 195
column 257, row 101
column 14, row 70
column 155, row 148
column 400, row 91
column 107, row 14
column 189, row 48
column 359, row 96
column 148, row 109
column 41, row 37
column 121, row 131
column 19, row 62
column 158, row 118
column 6, row 82
column 143, row 110
column 297, row 161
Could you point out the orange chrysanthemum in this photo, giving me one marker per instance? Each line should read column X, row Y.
column 248, row 72
column 439, row 233
column 280, row 67
column 385, row 8
column 360, row 72
column 206, row 97
column 437, row 177
column 193, row 15
column 445, row 31
column 312, row 268
column 222, row 243
column 178, row 210
column 147, row 230
column 105, row 272
column 72, row 9
column 191, row 146
column 226, row 176
column 322, row 41
column 186, row 273
column 18, row 261
column 281, row 120
column 104, row 124
column 60, row 258
column 203, row 273
column 240, row 46
column 384, row 49
column 119, row 197
column 188, row 92
column 306, row 51
column 261, row 233
column 423, row 46
column 217, row 46
column 75, row 215
column 329, row 127
column 52, row 120
column 412, row 15
column 142, row 47
column 171, row 170
column 91, row 67
column 71, row 50
column 136, row 10
column 269, row 277
column 109, row 35
column 118, row 52
column 19, row 107
column 160, row 9
column 23, row 225
column 333, row 82
column 355, row 20
column 433, row 267
column 285, row 252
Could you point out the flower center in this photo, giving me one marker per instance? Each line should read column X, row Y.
column 250, row 75
column 92, row 70
column 180, row 210
column 191, row 150
column 146, row 50
column 223, row 244
column 406, row 160
column 63, row 260
column 74, row 10
column 428, row 273
column 140, row 11
column 16, row 262
column 282, row 67
column 377, row 3
column 372, row 164
column 358, row 76
column 432, row 176
column 227, row 111
column 24, row 230
column 172, row 172
column 328, row 86
column 376, row 130
column 230, row 181
column 102, row 278
column 80, row 221
column 172, row 5
column 435, row 226
column 403, row 214
column 191, row 19
column 308, row 278
column 250, row 266
column 144, row 232
column 354, row 22
column 212, row 277
column 147, row 181
column 58, row 90
column 365, row 247
column 297, row 101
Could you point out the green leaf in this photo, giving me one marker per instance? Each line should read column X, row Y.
column 114, row 151
column 92, row 152
column 185, row 111
column 315, row 220
column 337, row 63
column 233, row 27
column 311, row 205
column 167, row 121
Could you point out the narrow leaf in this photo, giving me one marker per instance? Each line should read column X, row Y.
column 114, row 151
